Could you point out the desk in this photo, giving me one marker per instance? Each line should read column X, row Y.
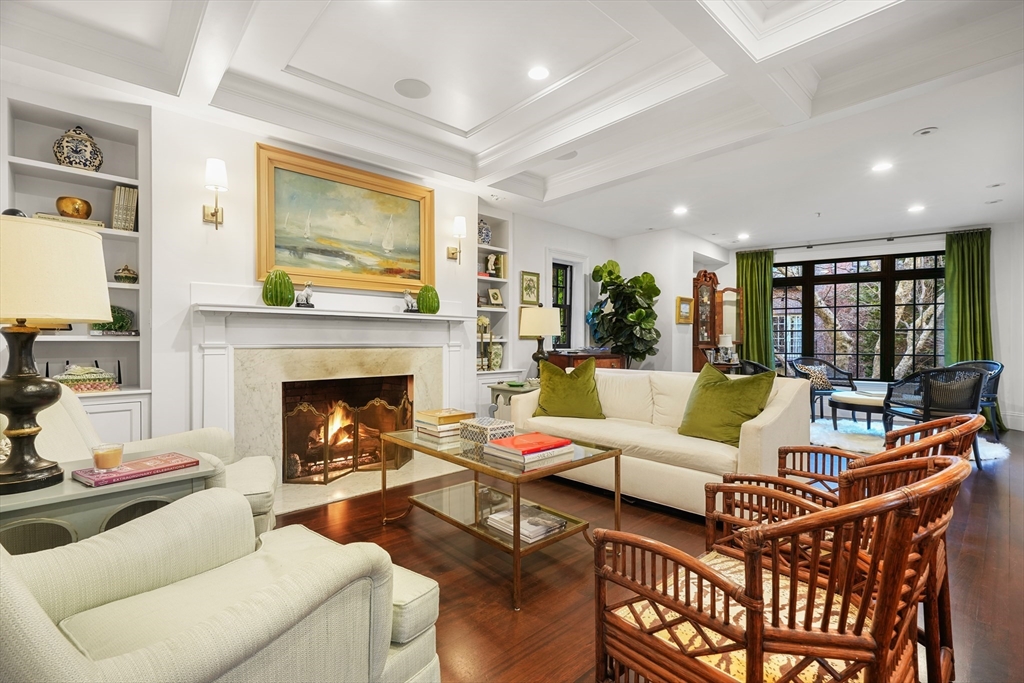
column 71, row 511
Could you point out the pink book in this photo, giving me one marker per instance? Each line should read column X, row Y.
column 135, row 469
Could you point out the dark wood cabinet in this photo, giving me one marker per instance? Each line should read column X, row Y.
column 602, row 360
column 705, row 335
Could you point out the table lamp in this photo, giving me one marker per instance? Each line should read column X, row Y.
column 50, row 274
column 539, row 322
column 725, row 344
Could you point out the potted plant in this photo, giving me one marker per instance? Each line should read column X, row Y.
column 625, row 319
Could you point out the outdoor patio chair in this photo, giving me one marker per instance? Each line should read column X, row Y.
column 749, row 367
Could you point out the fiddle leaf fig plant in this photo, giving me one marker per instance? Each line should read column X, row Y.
column 625, row 318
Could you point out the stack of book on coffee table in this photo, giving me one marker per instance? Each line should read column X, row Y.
column 530, row 451
column 440, row 427
column 534, row 523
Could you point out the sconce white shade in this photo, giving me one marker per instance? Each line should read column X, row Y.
column 459, row 229
column 51, row 273
column 539, row 322
column 216, row 175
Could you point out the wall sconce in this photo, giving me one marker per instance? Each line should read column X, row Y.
column 459, row 231
column 216, row 180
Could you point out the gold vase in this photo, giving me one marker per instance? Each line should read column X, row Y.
column 73, row 207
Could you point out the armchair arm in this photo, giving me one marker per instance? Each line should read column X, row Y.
column 744, row 506
column 191, row 535
column 790, row 486
column 523, row 407
column 213, row 440
column 343, row 599
column 820, row 465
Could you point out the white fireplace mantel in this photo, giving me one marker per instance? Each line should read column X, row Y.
column 217, row 329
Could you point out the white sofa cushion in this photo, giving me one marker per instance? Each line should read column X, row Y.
column 670, row 391
column 406, row 660
column 415, row 603
column 645, row 441
column 625, row 394
column 135, row 622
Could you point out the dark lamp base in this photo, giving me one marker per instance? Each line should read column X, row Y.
column 540, row 354
column 19, row 482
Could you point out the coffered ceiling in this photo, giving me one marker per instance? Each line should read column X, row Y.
column 642, row 103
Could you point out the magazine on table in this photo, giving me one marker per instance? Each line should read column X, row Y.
column 534, row 523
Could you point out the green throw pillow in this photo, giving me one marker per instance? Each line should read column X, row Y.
column 572, row 394
column 718, row 406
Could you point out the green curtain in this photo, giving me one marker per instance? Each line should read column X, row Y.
column 968, row 296
column 754, row 277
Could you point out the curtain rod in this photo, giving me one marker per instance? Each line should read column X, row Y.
column 891, row 238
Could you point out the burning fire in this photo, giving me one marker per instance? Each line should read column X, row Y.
column 338, row 419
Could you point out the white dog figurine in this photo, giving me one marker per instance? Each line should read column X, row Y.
column 304, row 299
column 410, row 302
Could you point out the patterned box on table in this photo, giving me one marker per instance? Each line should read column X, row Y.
column 484, row 429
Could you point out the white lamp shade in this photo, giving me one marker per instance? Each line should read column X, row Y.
column 216, row 175
column 459, row 229
column 539, row 322
column 51, row 273
column 725, row 340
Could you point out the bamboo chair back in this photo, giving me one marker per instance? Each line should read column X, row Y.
column 849, row 606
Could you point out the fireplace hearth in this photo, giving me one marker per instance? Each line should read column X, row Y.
column 332, row 427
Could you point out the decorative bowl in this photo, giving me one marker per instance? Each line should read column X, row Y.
column 126, row 275
column 73, row 207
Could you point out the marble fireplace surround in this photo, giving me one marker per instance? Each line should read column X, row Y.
column 259, row 374
column 242, row 353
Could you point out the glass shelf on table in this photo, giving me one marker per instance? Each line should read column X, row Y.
column 469, row 504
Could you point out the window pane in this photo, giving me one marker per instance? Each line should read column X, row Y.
column 844, row 362
column 925, row 262
column 824, row 295
column 795, row 271
column 824, row 343
column 824, row 268
column 869, row 318
column 872, row 266
column 940, row 261
column 778, row 271
column 846, row 294
column 846, row 267
column 905, row 263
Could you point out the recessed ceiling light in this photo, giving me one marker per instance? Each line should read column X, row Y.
column 993, row 201
column 930, row 130
column 538, row 73
column 568, row 155
column 743, row 236
column 994, row 185
column 916, row 208
column 679, row 210
column 881, row 166
column 412, row 88
column 496, row 197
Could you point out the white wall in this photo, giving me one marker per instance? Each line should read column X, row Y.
column 186, row 250
column 533, row 243
column 1007, row 276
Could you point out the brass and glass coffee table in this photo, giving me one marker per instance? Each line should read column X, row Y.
column 467, row 505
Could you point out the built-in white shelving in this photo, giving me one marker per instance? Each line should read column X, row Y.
column 500, row 251
column 30, row 122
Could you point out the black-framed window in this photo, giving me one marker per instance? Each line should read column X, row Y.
column 561, row 299
column 879, row 317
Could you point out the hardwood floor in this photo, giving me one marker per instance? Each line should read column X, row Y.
column 480, row 639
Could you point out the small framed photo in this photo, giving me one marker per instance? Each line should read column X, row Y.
column 684, row 310
column 529, row 288
column 494, row 297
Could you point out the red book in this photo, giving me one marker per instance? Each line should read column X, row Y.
column 534, row 442
column 135, row 469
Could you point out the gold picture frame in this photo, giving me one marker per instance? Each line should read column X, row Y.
column 349, row 236
column 684, row 310
column 529, row 288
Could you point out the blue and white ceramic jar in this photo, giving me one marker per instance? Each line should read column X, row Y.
column 483, row 232
column 76, row 148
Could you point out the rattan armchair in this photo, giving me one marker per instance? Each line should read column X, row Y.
column 794, row 589
column 990, row 393
column 929, row 394
column 840, row 379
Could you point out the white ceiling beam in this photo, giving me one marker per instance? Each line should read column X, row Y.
column 223, row 25
column 779, row 93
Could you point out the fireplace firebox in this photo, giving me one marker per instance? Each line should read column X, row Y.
column 332, row 427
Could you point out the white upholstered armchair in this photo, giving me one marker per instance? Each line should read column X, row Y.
column 181, row 595
column 68, row 435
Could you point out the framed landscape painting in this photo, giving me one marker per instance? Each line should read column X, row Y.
column 341, row 227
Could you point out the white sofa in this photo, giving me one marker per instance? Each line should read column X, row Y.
column 67, row 435
column 643, row 411
column 184, row 594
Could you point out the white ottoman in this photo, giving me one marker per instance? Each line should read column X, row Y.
column 856, row 401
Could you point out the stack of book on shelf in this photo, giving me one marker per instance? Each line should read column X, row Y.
column 126, row 203
column 534, row 523
column 68, row 219
column 440, row 427
column 530, row 451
